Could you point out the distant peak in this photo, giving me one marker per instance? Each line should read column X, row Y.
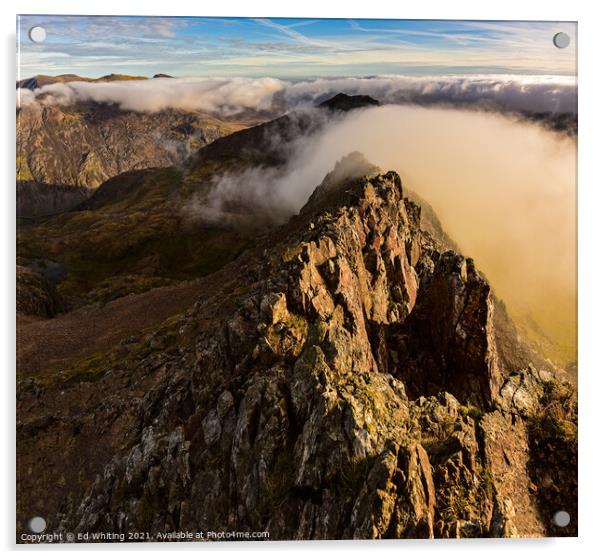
column 344, row 102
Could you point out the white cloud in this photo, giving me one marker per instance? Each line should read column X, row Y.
column 228, row 96
column 212, row 95
column 533, row 93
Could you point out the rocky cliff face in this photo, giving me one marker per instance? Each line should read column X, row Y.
column 343, row 381
column 86, row 144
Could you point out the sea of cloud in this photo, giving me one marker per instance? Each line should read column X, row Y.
column 232, row 96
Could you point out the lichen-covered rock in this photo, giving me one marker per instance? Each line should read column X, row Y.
column 522, row 391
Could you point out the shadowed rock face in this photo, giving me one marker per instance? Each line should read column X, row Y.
column 342, row 381
column 35, row 199
column 449, row 340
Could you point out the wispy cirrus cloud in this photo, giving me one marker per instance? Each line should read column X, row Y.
column 292, row 33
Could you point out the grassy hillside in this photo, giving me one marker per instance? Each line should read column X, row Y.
column 132, row 235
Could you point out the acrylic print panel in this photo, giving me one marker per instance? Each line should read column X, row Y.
column 285, row 279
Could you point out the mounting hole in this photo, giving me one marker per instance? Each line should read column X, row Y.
column 561, row 40
column 562, row 518
column 37, row 524
column 37, row 34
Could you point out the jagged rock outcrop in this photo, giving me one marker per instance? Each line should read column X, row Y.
column 448, row 342
column 343, row 382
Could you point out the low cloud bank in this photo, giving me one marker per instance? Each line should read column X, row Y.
column 521, row 93
column 231, row 96
column 212, row 95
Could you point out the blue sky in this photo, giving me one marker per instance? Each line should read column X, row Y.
column 290, row 48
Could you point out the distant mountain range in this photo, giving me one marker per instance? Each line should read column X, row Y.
column 41, row 80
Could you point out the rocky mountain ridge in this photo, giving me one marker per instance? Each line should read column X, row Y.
column 344, row 379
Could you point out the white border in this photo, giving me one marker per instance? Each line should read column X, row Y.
column 590, row 273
